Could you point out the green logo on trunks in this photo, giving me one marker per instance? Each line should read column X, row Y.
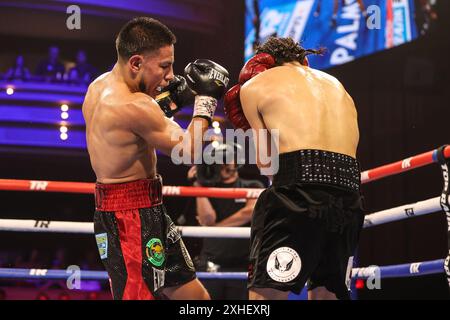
column 155, row 252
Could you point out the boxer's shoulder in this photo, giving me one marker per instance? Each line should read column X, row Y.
column 141, row 103
column 100, row 78
column 324, row 77
column 141, row 111
column 139, row 99
column 259, row 81
column 269, row 78
column 269, row 81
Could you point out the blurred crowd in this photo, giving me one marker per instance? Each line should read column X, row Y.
column 51, row 259
column 60, row 258
column 425, row 15
column 52, row 69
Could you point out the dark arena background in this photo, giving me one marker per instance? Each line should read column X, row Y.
column 398, row 74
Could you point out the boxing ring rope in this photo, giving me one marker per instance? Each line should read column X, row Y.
column 61, row 274
column 88, row 188
column 390, row 215
column 404, row 165
column 21, row 225
column 249, row 193
column 440, row 155
column 394, row 271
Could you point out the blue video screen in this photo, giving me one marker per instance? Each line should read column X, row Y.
column 348, row 29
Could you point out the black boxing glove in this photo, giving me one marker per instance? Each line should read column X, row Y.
column 207, row 78
column 209, row 81
column 175, row 96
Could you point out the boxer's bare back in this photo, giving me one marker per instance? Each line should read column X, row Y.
column 310, row 108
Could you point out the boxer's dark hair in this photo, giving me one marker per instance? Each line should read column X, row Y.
column 141, row 35
column 286, row 50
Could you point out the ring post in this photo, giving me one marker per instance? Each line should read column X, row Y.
column 445, row 165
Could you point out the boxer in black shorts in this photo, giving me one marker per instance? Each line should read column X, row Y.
column 306, row 226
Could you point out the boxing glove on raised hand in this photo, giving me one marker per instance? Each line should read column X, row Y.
column 209, row 81
column 255, row 65
column 232, row 103
column 207, row 78
column 175, row 96
column 233, row 108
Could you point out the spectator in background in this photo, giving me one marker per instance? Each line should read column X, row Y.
column 18, row 71
column 83, row 72
column 425, row 15
column 51, row 69
column 218, row 254
column 35, row 259
column 2, row 294
column 5, row 258
column 91, row 261
column 60, row 259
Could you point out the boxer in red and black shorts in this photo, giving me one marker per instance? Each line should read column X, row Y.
column 128, row 115
column 138, row 243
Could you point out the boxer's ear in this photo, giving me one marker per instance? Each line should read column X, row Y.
column 135, row 62
column 305, row 62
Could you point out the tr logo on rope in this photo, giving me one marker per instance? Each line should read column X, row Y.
column 38, row 185
column 42, row 224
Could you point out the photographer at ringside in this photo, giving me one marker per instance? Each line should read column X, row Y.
column 224, row 254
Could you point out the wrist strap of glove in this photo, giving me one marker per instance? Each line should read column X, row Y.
column 205, row 107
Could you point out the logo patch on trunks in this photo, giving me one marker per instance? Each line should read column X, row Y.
column 155, row 252
column 173, row 235
column 284, row 264
column 158, row 278
column 102, row 244
column 187, row 257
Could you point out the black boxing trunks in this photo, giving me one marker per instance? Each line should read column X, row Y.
column 306, row 226
column 139, row 246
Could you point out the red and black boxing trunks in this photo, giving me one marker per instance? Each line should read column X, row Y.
column 306, row 226
column 140, row 247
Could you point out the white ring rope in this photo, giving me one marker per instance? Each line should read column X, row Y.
column 403, row 212
column 377, row 218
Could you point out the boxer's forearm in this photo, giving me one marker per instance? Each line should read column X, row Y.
column 237, row 219
column 189, row 144
column 206, row 215
column 197, row 129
